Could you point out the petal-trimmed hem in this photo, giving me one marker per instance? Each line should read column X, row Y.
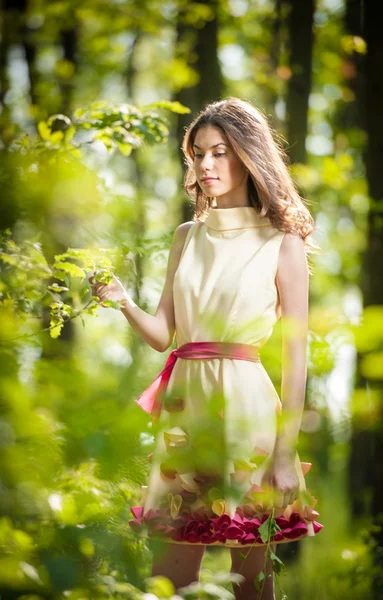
column 201, row 527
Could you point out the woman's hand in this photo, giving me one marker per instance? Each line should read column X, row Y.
column 111, row 291
column 281, row 478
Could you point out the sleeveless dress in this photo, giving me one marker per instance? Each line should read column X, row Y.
column 217, row 427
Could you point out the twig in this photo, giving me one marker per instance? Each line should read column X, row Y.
column 27, row 335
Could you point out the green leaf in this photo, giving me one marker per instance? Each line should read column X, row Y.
column 69, row 268
column 258, row 579
column 264, row 530
column 125, row 149
column 242, row 555
column 56, row 137
column 70, row 133
column 68, row 514
column 9, row 259
column 60, row 275
column 79, row 112
column 278, row 565
column 56, row 329
column 160, row 586
column 91, row 310
column 111, row 304
column 44, row 130
column 268, row 529
column 55, row 287
column 175, row 107
column 30, row 571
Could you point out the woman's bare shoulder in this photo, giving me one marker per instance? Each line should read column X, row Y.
column 184, row 228
column 292, row 256
column 182, row 231
column 292, row 242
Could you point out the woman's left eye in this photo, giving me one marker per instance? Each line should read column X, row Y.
column 216, row 154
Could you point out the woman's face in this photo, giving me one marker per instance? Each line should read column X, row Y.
column 218, row 170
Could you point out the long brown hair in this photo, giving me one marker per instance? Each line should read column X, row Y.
column 271, row 190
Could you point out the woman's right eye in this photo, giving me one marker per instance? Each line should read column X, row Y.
column 216, row 154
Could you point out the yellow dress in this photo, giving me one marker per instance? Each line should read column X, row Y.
column 217, row 426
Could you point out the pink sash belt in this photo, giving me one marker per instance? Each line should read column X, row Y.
column 151, row 399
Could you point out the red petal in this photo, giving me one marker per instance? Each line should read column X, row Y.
column 137, row 511
column 317, row 526
column 233, row 532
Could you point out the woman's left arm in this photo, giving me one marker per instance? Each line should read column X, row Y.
column 292, row 280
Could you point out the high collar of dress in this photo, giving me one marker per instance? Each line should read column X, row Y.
column 237, row 217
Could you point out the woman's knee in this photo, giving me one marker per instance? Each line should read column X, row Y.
column 176, row 558
column 251, row 560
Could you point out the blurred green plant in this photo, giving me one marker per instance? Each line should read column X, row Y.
column 122, row 126
column 29, row 282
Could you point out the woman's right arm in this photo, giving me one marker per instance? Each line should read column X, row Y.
column 158, row 330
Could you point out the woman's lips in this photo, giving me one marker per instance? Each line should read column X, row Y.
column 209, row 180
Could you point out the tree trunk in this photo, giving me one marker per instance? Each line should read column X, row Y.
column 372, row 280
column 69, row 39
column 360, row 465
column 300, row 25
column 366, row 462
column 202, row 42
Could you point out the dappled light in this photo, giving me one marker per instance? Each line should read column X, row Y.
column 113, row 446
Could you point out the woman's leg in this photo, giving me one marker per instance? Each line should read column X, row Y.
column 179, row 563
column 250, row 567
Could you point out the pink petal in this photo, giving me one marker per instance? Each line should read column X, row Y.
column 137, row 511
column 296, row 531
column 135, row 525
column 317, row 526
column 282, row 522
column 202, row 527
column 219, row 537
column 295, row 517
column 207, row 538
column 150, row 514
column 191, row 537
column 310, row 514
column 191, row 527
column 233, row 532
column 223, row 521
column 178, row 536
column 238, row 520
column 199, row 513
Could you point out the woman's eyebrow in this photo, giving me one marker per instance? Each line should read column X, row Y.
column 215, row 145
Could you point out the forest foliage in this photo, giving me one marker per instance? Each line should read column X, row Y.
column 94, row 97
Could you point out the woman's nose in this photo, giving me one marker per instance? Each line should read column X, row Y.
column 206, row 162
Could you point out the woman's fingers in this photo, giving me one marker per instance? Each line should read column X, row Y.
column 280, row 498
column 107, row 291
column 96, row 286
column 93, row 282
column 101, row 290
column 289, row 497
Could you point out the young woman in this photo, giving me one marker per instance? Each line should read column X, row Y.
column 225, row 454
